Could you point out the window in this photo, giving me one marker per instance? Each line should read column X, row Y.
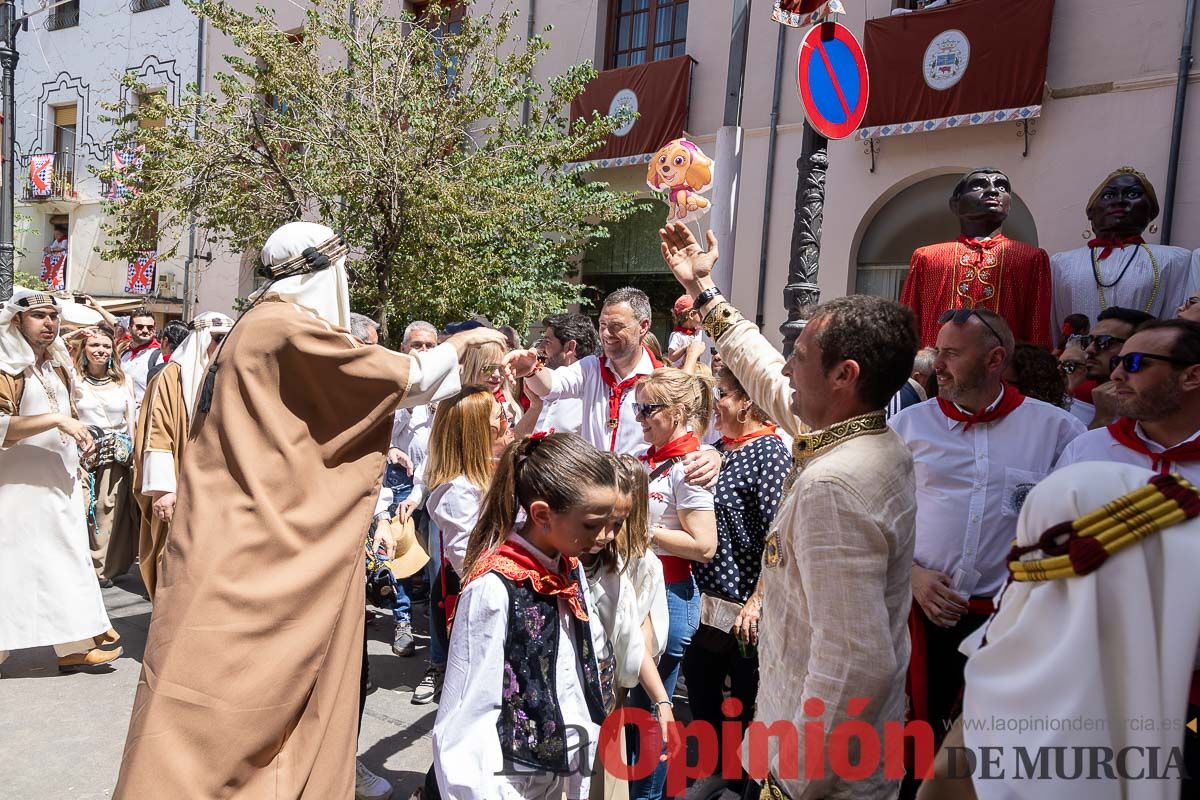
column 645, row 30
column 63, row 16
column 146, row 5
column 146, row 99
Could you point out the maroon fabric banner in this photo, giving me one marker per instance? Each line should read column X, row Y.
column 658, row 91
column 971, row 63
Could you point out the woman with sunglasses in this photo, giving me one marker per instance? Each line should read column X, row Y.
column 481, row 366
column 470, row 431
column 673, row 409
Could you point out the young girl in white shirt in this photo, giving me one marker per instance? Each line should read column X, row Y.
column 522, row 703
column 674, row 409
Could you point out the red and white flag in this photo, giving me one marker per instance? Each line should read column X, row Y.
column 54, row 269
column 41, row 174
column 140, row 278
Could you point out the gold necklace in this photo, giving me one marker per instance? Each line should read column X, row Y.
column 1100, row 283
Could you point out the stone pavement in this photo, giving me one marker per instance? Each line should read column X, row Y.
column 61, row 736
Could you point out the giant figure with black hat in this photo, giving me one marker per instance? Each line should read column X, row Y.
column 982, row 268
column 250, row 681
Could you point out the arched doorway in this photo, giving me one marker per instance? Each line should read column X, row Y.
column 916, row 217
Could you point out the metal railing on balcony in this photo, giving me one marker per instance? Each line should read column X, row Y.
column 48, row 176
column 146, row 5
column 63, row 16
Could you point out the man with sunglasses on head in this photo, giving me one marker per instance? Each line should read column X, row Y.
column 978, row 448
column 1113, row 328
column 143, row 351
column 1156, row 383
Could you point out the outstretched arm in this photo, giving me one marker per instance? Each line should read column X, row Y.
column 757, row 365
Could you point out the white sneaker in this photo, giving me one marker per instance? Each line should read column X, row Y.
column 368, row 785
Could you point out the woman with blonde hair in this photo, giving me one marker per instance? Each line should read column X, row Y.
column 482, row 366
column 468, row 434
column 106, row 405
column 673, row 409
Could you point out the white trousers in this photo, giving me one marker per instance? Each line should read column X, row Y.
column 61, row 650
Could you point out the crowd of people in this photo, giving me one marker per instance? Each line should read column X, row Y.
column 894, row 523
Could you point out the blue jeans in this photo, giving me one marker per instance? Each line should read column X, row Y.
column 438, row 644
column 683, row 608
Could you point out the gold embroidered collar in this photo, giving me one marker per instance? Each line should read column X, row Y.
column 811, row 445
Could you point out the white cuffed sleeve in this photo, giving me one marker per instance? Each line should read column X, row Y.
column 432, row 376
column 158, row 472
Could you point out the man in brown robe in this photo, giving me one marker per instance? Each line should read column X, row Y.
column 161, row 435
column 249, row 685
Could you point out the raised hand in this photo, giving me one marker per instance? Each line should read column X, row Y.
column 682, row 253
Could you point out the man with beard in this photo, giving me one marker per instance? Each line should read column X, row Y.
column 143, row 352
column 565, row 339
column 978, row 448
column 1156, row 383
column 1113, row 328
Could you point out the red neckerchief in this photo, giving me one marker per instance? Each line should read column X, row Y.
column 1123, row 431
column 1117, row 243
column 980, row 244
column 500, row 398
column 134, row 352
column 734, row 441
column 688, row 443
column 511, row 560
column 684, row 331
column 616, row 392
column 1008, row 402
column 166, row 357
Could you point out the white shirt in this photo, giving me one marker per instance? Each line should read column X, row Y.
column 136, row 368
column 410, row 432
column 108, row 406
column 466, row 747
column 582, row 380
column 1082, row 410
column 971, row 484
column 669, row 493
column 1099, row 445
column 680, row 339
column 454, row 508
column 564, row 415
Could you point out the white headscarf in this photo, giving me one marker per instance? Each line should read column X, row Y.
column 192, row 354
column 15, row 352
column 1099, row 649
column 325, row 292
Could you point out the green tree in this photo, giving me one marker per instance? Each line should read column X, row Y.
column 427, row 144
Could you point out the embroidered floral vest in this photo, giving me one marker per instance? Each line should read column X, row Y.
column 531, row 727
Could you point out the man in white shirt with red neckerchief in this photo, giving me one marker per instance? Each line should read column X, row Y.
column 978, row 448
column 1157, row 386
column 143, row 350
column 605, row 382
column 566, row 339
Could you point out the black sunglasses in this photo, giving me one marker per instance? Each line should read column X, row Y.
column 960, row 316
column 1135, row 362
column 643, row 410
column 1069, row 367
column 1102, row 342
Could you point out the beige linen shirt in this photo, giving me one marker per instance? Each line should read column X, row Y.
column 836, row 601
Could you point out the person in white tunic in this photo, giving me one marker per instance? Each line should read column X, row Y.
column 1117, row 268
column 1096, row 655
column 48, row 590
column 144, row 352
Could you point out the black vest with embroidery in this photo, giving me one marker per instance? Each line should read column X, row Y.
column 531, row 727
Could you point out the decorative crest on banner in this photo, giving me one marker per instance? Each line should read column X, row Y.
column 140, row 277
column 41, row 174
column 54, row 269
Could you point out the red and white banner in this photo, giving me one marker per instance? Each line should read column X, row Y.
column 41, row 174
column 54, row 269
column 124, row 162
column 140, row 278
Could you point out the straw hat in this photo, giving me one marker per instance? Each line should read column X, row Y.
column 410, row 556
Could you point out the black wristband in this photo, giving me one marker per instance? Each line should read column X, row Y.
column 707, row 296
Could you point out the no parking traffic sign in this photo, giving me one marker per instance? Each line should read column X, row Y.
column 832, row 78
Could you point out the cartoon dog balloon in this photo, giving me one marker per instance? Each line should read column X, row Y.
column 681, row 172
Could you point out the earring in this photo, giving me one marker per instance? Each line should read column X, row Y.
column 1154, row 227
column 110, row 362
column 743, row 416
column 1087, row 234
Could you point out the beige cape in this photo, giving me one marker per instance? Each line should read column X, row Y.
column 161, row 425
column 250, row 681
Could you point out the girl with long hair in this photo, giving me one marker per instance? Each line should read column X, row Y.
column 469, row 432
column 674, row 408
column 523, row 701
column 106, row 405
column 483, row 366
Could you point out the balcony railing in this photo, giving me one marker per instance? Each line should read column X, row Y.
column 64, row 16
column 146, row 5
column 49, row 176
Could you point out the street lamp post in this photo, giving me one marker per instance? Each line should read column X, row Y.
column 8, row 65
